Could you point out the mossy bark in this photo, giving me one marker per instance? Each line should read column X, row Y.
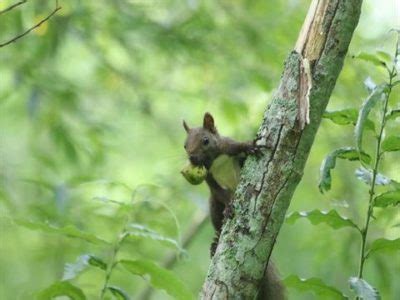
column 290, row 125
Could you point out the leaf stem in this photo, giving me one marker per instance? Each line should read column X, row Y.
column 113, row 262
column 364, row 231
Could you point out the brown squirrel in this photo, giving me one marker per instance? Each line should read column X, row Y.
column 204, row 146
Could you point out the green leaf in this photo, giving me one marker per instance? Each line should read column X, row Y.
column 69, row 231
column 366, row 175
column 391, row 143
column 160, row 278
column 140, row 230
column 368, row 104
column 395, row 113
column 62, row 288
column 315, row 285
column 394, row 184
column 351, row 154
column 342, row 117
column 97, row 262
column 329, row 163
column 72, row 270
column 363, row 289
column 331, row 218
column 347, row 116
column 384, row 56
column 369, row 57
column 388, row 198
column 118, row 293
column 384, row 245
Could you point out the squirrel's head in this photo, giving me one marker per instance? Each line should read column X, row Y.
column 201, row 143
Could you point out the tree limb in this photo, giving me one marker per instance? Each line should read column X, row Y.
column 290, row 124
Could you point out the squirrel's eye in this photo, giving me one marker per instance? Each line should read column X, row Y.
column 184, row 146
column 205, row 141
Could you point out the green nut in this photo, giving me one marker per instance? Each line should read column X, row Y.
column 194, row 174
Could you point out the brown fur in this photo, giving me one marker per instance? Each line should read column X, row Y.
column 203, row 145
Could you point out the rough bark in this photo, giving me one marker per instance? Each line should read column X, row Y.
column 290, row 124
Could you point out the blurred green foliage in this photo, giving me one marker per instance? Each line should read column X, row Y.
column 91, row 106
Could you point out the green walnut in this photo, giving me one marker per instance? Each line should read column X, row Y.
column 194, row 174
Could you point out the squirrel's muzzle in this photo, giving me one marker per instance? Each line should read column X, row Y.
column 195, row 160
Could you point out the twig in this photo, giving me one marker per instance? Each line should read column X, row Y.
column 32, row 28
column 113, row 262
column 12, row 7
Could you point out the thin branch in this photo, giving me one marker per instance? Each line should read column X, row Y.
column 33, row 27
column 12, row 7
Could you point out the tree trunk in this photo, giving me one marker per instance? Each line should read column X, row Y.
column 290, row 125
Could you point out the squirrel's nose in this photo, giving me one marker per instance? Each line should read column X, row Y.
column 194, row 159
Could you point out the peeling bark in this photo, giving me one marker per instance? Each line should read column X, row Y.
column 290, row 125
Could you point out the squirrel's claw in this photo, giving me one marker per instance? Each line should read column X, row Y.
column 255, row 150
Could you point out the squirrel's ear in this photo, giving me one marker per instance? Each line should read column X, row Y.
column 208, row 123
column 186, row 126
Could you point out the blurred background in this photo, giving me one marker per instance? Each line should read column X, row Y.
column 91, row 109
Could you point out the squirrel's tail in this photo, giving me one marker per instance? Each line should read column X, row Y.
column 272, row 287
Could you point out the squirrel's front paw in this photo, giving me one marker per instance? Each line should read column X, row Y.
column 254, row 149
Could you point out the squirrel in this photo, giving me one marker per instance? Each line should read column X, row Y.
column 204, row 146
